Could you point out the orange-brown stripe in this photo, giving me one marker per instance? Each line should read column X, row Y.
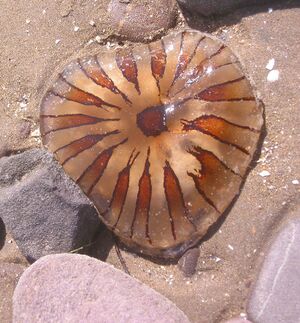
column 207, row 176
column 197, row 150
column 158, row 60
column 75, row 147
column 218, row 128
column 197, row 182
column 209, row 164
column 221, row 92
column 100, row 77
column 174, row 196
column 143, row 200
column 121, row 189
column 91, row 175
column 184, row 58
column 195, row 77
column 67, row 121
column 80, row 96
column 199, row 68
column 127, row 64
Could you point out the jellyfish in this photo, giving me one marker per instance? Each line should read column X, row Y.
column 159, row 136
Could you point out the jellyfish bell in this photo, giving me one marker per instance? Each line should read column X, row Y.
column 158, row 136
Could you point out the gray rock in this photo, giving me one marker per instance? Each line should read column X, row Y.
column 276, row 293
column 77, row 288
column 140, row 20
column 43, row 209
column 9, row 276
column 217, row 7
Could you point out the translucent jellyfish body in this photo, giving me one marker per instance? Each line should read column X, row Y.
column 158, row 136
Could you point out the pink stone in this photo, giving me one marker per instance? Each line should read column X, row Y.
column 77, row 288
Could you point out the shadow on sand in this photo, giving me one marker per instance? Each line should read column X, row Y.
column 213, row 23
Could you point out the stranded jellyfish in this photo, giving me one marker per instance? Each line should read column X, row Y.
column 158, row 136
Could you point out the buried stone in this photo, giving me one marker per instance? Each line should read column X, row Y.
column 158, row 136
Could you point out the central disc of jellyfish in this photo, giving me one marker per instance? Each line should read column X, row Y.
column 152, row 121
column 158, row 136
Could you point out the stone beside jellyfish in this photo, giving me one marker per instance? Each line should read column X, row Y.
column 158, row 136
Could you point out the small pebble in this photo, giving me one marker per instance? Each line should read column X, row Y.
column 270, row 64
column 264, row 173
column 295, row 182
column 57, row 41
column 36, row 133
column 76, row 28
column 92, row 23
column 23, row 104
column 273, row 76
column 230, row 247
column 188, row 262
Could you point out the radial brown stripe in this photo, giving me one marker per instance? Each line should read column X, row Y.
column 221, row 92
column 196, row 179
column 184, row 57
column 220, row 122
column 211, row 175
column 199, row 68
column 197, row 150
column 99, row 77
column 61, row 122
column 143, row 200
column 127, row 64
column 91, row 175
column 80, row 96
column 121, row 189
column 76, row 147
column 174, row 196
column 158, row 60
column 195, row 77
column 216, row 127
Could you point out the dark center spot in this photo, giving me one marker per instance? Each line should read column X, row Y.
column 152, row 121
